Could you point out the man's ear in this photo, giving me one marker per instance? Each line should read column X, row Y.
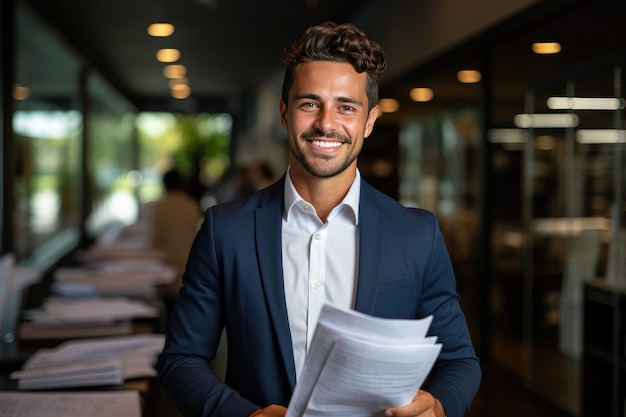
column 283, row 112
column 371, row 119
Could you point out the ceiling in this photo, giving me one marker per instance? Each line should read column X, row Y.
column 227, row 46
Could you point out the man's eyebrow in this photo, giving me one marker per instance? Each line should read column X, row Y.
column 307, row 96
column 349, row 100
column 340, row 99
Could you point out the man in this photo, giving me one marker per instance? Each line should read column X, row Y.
column 263, row 267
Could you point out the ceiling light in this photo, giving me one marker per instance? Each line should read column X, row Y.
column 546, row 120
column 175, row 71
column 546, row 48
column 182, row 92
column 160, row 30
column 421, row 94
column 598, row 136
column 168, row 55
column 585, row 103
column 20, row 92
column 507, row 135
column 388, row 105
column 179, row 87
column 468, row 76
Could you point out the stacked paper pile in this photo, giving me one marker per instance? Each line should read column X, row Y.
column 121, row 249
column 120, row 277
column 91, row 362
column 85, row 317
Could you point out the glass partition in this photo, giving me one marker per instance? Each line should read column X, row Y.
column 438, row 173
column 573, row 188
column 47, row 127
column 111, row 158
column 197, row 145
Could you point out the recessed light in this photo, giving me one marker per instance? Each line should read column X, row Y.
column 168, row 55
column 468, row 76
column 20, row 92
column 160, row 30
column 421, row 94
column 175, row 71
column 388, row 105
column 546, row 48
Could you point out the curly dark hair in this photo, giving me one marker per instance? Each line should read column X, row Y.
column 343, row 43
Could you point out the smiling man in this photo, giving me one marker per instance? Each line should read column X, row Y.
column 263, row 267
column 327, row 117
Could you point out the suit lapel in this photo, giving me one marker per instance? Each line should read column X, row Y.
column 268, row 230
column 371, row 238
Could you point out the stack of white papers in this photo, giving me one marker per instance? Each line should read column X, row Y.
column 121, row 250
column 359, row 365
column 91, row 362
column 108, row 371
column 70, row 404
column 124, row 277
column 86, row 314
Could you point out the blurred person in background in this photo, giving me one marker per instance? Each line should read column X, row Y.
column 175, row 220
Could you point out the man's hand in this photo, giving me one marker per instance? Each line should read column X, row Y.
column 271, row 411
column 423, row 405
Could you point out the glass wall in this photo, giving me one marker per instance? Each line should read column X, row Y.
column 110, row 158
column 574, row 188
column 438, row 173
column 47, row 127
column 52, row 135
column 197, row 145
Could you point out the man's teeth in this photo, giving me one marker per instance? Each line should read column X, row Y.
column 326, row 144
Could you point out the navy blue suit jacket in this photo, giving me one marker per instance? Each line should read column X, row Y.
column 234, row 278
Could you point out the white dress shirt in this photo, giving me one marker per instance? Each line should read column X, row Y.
column 319, row 261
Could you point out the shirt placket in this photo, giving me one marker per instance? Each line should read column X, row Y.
column 317, row 279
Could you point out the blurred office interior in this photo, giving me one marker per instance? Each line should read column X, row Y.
column 504, row 118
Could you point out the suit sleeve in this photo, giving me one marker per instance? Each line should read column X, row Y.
column 456, row 376
column 184, row 368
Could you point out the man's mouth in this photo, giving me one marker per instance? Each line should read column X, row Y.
column 326, row 143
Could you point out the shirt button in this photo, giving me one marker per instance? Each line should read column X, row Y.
column 317, row 236
column 307, row 207
column 316, row 285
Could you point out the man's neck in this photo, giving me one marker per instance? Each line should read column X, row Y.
column 324, row 193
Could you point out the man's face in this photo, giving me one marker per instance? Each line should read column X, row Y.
column 327, row 118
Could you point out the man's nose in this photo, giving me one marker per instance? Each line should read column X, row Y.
column 326, row 120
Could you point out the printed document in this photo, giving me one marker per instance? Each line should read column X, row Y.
column 359, row 365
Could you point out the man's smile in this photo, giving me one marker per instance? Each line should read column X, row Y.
column 326, row 143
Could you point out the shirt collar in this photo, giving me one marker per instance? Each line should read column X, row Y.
column 351, row 200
